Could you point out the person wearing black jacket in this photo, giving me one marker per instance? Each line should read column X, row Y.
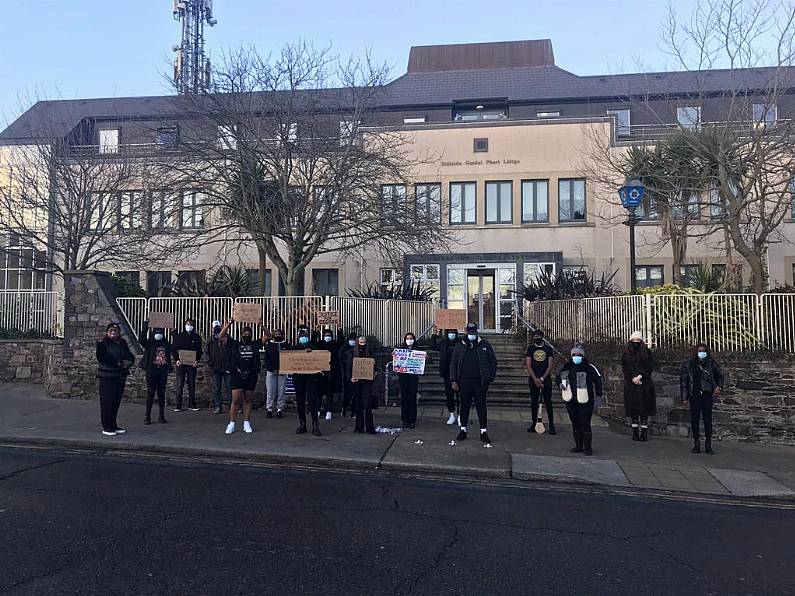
column 473, row 367
column 700, row 382
column 347, row 385
column 306, row 389
column 407, row 384
column 275, row 382
column 445, row 345
column 245, row 372
column 187, row 341
column 640, row 400
column 114, row 360
column 362, row 389
column 157, row 364
column 221, row 361
column 329, row 382
column 580, row 383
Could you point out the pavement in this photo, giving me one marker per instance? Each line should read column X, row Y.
column 660, row 466
column 75, row 523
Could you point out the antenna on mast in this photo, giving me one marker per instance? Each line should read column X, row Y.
column 191, row 65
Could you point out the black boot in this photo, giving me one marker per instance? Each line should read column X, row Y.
column 148, row 420
column 577, row 442
column 635, row 435
column 316, row 429
column 586, row 439
column 462, row 435
column 708, row 447
column 696, row 446
column 301, row 430
column 644, row 433
column 162, row 419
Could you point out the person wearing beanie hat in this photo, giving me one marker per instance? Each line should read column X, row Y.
column 640, row 402
column 445, row 342
column 538, row 361
column 347, row 385
column 580, row 383
column 114, row 360
column 305, row 386
column 275, row 382
column 473, row 368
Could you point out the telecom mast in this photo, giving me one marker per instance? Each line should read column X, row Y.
column 191, row 66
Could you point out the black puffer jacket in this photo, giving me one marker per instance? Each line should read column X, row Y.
column 698, row 376
column 487, row 360
column 110, row 355
column 445, row 348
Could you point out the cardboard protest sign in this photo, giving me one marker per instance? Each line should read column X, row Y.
column 451, row 318
column 247, row 312
column 163, row 320
column 300, row 362
column 187, row 357
column 410, row 362
column 328, row 317
column 364, row 369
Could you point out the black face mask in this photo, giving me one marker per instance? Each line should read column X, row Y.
column 635, row 345
column 247, row 337
column 539, row 342
column 216, row 330
column 278, row 338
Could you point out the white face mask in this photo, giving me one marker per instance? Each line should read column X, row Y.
column 409, row 342
column 327, row 339
column 158, row 336
column 471, row 337
column 452, row 336
column 188, row 328
column 351, row 342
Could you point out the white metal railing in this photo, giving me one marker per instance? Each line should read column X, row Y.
column 388, row 320
column 736, row 322
column 203, row 311
column 33, row 310
column 134, row 310
column 287, row 313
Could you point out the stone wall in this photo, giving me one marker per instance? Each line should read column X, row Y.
column 757, row 403
column 26, row 360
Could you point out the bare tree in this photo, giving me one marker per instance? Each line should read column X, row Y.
column 289, row 151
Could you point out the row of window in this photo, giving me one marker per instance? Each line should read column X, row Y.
column 498, row 204
column 157, row 210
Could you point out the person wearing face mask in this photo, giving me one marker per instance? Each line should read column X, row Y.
column 580, row 383
column 538, row 361
column 347, row 385
column 407, row 385
column 220, row 359
column 114, row 360
column 158, row 354
column 473, row 368
column 244, row 374
column 187, row 341
column 362, row 389
column 701, row 381
column 275, row 382
column 640, row 401
column 306, row 389
column 329, row 381
column 444, row 343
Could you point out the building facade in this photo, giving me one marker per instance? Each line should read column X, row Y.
column 508, row 133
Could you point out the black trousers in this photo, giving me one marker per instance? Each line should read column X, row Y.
column 701, row 407
column 306, row 390
column 536, row 395
column 363, row 406
column 186, row 372
column 470, row 390
column 326, row 393
column 347, row 397
column 580, row 415
column 408, row 397
column 450, row 395
column 110, row 393
column 156, row 383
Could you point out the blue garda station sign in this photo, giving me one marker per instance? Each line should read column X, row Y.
column 631, row 194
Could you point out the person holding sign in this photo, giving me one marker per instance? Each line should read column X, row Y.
column 580, row 385
column 347, row 385
column 445, row 344
column 188, row 345
column 539, row 361
column 407, row 383
column 114, row 360
column 362, row 389
column 158, row 354
column 472, row 369
column 306, row 389
column 244, row 374
column 329, row 381
column 275, row 382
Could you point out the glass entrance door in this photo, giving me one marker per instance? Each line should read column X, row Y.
column 481, row 307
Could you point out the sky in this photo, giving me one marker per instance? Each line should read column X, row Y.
column 69, row 49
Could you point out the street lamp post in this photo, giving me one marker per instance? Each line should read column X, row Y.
column 631, row 195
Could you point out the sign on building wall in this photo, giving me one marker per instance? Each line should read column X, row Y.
column 411, row 362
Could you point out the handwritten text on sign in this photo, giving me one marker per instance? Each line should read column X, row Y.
column 328, row 317
column 363, row 369
column 247, row 312
column 448, row 318
column 411, row 362
column 300, row 362
column 161, row 320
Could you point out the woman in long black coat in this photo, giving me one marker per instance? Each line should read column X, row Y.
column 640, row 399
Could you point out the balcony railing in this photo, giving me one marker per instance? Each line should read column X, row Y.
column 655, row 132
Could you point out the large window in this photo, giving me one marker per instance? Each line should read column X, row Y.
column 426, row 276
column 156, row 281
column 649, row 276
column 475, row 112
column 622, row 121
column 534, row 271
column 253, row 281
column 192, row 212
column 349, row 132
column 132, row 215
column 103, row 211
column 535, row 201
column 716, row 208
column 164, row 208
column 132, row 277
column 648, row 209
column 109, row 140
column 193, row 278
column 390, row 277
column 394, row 200
column 167, row 137
column 463, row 197
column 499, row 202
column 576, row 271
column 428, row 201
column 23, row 267
column 764, row 114
column 326, row 282
column 693, row 207
column 689, row 116
column 571, row 200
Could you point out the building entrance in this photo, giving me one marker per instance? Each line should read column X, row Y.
column 482, row 306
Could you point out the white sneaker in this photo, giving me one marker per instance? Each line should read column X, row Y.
column 247, row 427
column 451, row 419
column 230, row 428
column 121, row 431
column 328, row 415
column 109, row 433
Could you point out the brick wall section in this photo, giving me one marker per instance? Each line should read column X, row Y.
column 26, row 360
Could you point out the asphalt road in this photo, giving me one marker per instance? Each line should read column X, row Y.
column 86, row 524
